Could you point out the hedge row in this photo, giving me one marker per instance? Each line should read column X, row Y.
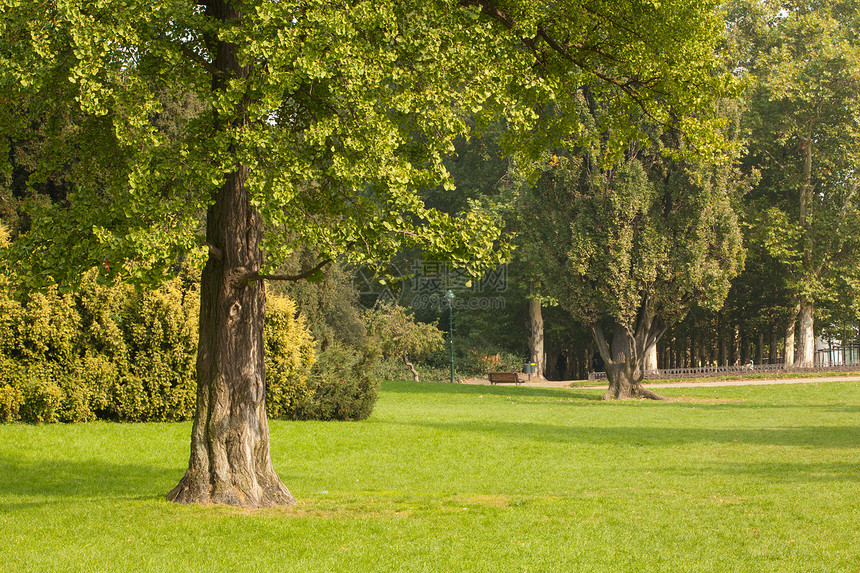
column 118, row 353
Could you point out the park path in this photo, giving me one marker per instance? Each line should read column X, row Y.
column 710, row 383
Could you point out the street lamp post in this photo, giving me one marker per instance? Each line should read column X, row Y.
column 449, row 296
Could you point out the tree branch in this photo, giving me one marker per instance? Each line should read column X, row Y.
column 214, row 251
column 195, row 57
column 292, row 278
column 491, row 10
column 602, row 345
column 628, row 86
column 837, row 236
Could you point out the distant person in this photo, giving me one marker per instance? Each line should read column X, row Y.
column 561, row 365
column 597, row 363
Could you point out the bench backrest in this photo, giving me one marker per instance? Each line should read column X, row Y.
column 503, row 377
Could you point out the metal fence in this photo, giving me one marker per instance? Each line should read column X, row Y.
column 838, row 356
column 834, row 359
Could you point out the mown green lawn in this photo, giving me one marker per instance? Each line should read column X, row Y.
column 466, row 478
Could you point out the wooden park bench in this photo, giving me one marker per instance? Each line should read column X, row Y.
column 505, row 377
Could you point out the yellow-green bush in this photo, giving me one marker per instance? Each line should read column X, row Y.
column 48, row 329
column 289, row 357
column 41, row 395
column 102, row 352
column 10, row 402
column 97, row 373
column 161, row 347
column 114, row 352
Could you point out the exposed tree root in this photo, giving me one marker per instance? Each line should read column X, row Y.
column 268, row 493
column 640, row 392
column 634, row 392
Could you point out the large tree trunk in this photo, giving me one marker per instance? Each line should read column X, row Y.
column 536, row 338
column 230, row 461
column 788, row 359
column 731, row 352
column 759, row 348
column 651, row 361
column 625, row 358
column 806, row 335
column 806, row 347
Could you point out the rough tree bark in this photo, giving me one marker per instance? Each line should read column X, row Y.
column 774, row 343
column 744, row 346
column 536, row 338
column 230, row 461
column 759, row 348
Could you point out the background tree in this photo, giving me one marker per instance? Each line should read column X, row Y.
column 629, row 248
column 395, row 333
column 804, row 138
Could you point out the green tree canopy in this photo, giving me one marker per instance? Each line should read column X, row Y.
column 629, row 249
column 803, row 121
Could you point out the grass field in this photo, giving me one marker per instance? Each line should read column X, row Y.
column 466, row 478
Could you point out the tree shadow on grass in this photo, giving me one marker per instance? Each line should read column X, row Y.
column 775, row 472
column 816, row 436
column 41, row 482
column 440, row 388
column 745, row 404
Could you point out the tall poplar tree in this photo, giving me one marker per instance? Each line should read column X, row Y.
column 804, row 126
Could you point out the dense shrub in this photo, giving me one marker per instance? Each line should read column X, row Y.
column 341, row 387
column 10, row 403
column 41, row 396
column 161, row 346
column 103, row 352
column 114, row 352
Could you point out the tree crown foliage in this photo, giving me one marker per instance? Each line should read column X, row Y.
column 339, row 113
column 803, row 126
